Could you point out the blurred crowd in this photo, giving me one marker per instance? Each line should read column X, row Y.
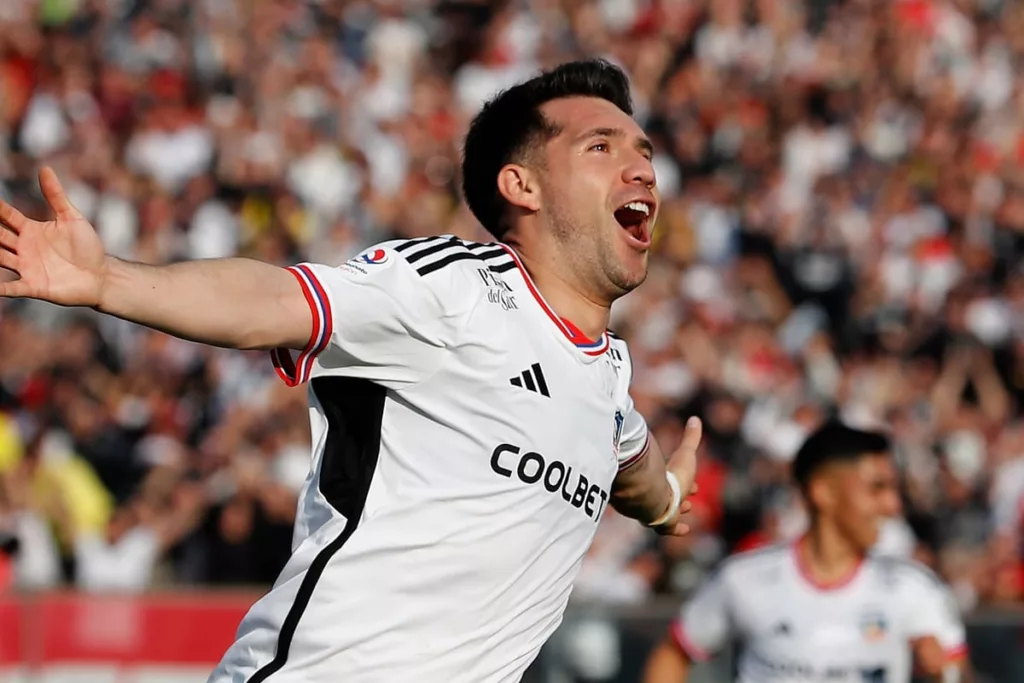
column 842, row 233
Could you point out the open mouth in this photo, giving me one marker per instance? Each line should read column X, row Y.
column 635, row 217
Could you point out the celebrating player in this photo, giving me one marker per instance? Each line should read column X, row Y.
column 470, row 413
column 824, row 609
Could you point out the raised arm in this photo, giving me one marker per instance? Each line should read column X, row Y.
column 642, row 489
column 234, row 303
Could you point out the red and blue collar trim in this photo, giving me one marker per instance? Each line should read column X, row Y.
column 588, row 346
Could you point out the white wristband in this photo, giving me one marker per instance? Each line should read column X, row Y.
column 677, row 500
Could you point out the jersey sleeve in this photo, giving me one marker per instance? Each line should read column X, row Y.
column 933, row 611
column 635, row 436
column 704, row 625
column 374, row 317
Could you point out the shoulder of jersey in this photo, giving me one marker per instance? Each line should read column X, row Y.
column 768, row 558
column 448, row 256
column 895, row 571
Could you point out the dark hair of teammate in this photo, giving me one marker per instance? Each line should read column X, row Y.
column 512, row 125
column 835, row 442
column 848, row 481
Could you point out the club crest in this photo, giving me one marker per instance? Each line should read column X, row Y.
column 617, row 434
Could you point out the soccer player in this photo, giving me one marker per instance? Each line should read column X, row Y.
column 470, row 414
column 825, row 609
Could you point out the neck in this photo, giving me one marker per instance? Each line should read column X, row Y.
column 567, row 298
column 827, row 557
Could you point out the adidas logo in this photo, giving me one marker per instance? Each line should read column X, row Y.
column 532, row 380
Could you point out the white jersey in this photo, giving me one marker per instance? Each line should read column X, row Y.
column 793, row 630
column 465, row 439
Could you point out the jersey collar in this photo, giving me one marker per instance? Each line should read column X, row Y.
column 804, row 569
column 588, row 346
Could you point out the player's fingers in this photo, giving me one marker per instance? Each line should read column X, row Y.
column 12, row 219
column 13, row 289
column 685, row 507
column 691, row 437
column 680, row 529
column 8, row 240
column 8, row 260
column 54, row 193
column 694, row 489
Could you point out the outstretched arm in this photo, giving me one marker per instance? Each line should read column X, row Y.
column 234, row 303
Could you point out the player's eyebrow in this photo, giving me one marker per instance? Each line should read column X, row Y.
column 642, row 143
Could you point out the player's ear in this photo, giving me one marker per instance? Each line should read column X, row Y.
column 820, row 492
column 518, row 185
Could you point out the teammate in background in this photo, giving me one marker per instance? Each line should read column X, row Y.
column 470, row 413
column 824, row 609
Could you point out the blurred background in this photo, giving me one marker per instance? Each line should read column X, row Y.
column 842, row 233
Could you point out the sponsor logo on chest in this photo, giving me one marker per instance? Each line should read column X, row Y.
column 552, row 475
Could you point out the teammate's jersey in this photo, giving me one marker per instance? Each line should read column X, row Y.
column 793, row 630
column 465, row 439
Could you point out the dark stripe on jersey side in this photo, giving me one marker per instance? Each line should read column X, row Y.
column 354, row 409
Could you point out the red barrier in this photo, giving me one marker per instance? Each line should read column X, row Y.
column 172, row 637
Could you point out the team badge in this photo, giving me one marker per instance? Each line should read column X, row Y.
column 617, row 435
column 874, row 626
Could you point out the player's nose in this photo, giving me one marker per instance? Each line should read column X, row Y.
column 891, row 505
column 639, row 171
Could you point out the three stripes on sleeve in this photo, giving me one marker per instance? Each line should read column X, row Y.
column 430, row 254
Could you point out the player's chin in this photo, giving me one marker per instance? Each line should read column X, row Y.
column 633, row 265
column 629, row 276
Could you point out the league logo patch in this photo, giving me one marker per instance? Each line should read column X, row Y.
column 617, row 435
column 874, row 626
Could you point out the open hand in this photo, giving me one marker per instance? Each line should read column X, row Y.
column 61, row 260
column 683, row 463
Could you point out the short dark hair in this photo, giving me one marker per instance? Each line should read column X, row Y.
column 835, row 442
column 511, row 123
